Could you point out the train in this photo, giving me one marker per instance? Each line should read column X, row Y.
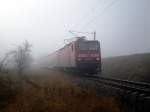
column 79, row 55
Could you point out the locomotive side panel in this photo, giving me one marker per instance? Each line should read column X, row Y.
column 52, row 60
column 67, row 56
column 62, row 57
column 73, row 55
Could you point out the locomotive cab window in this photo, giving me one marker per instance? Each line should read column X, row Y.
column 92, row 46
column 83, row 46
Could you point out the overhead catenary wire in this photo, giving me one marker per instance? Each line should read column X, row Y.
column 104, row 9
column 82, row 32
column 94, row 8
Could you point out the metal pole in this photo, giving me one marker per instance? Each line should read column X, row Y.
column 94, row 35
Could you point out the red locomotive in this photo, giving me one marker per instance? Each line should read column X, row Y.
column 81, row 54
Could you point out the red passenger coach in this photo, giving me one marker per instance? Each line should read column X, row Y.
column 82, row 55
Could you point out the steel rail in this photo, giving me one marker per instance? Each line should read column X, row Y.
column 133, row 83
column 141, row 88
column 125, row 87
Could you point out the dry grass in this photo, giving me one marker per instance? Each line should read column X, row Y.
column 132, row 67
column 56, row 93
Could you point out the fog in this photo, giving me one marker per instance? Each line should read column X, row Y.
column 122, row 26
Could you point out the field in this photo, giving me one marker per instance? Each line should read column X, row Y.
column 52, row 91
column 133, row 67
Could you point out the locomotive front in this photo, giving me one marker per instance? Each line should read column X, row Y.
column 88, row 56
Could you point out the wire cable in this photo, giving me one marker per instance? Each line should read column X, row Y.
column 107, row 7
column 94, row 8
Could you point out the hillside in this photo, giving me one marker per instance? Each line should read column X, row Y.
column 132, row 67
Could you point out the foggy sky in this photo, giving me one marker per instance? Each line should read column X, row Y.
column 122, row 29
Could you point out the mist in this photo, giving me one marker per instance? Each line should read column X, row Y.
column 51, row 62
column 122, row 28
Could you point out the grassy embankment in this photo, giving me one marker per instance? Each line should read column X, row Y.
column 133, row 67
column 54, row 92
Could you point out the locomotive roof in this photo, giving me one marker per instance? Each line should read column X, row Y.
column 72, row 43
column 66, row 45
column 75, row 42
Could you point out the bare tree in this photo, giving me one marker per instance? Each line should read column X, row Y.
column 3, row 62
column 22, row 57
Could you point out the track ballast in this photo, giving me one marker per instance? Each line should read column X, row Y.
column 142, row 89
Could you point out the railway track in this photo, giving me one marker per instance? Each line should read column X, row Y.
column 132, row 87
column 142, row 89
